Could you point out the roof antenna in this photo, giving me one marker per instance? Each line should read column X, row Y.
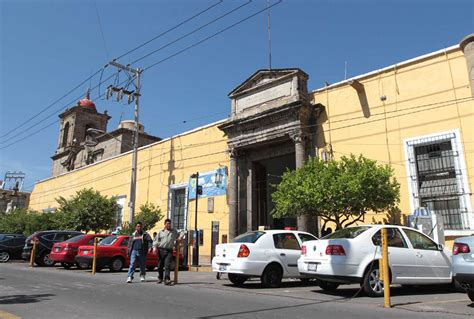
column 345, row 70
column 269, row 38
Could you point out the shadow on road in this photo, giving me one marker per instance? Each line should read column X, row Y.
column 394, row 291
column 23, row 299
column 256, row 284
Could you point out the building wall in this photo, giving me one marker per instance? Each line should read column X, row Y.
column 160, row 165
column 424, row 97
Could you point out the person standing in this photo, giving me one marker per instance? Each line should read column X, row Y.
column 137, row 251
column 163, row 245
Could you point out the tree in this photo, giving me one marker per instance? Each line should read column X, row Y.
column 341, row 191
column 26, row 222
column 149, row 215
column 87, row 211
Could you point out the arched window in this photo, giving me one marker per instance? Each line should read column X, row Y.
column 65, row 135
column 88, row 126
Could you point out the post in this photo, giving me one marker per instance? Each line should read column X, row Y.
column 233, row 195
column 176, row 267
column 385, row 269
column 133, row 180
column 94, row 259
column 33, row 254
column 196, row 232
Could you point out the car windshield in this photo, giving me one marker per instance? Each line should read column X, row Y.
column 108, row 241
column 351, row 232
column 250, row 237
column 75, row 239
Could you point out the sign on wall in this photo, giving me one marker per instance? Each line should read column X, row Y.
column 213, row 183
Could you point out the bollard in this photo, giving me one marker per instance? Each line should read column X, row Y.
column 33, row 254
column 94, row 262
column 385, row 270
column 176, row 265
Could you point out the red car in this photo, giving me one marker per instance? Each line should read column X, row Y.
column 112, row 252
column 65, row 252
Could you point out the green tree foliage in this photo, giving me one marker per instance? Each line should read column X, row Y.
column 87, row 211
column 149, row 215
column 22, row 221
column 341, row 191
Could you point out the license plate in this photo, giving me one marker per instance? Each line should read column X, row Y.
column 222, row 267
column 86, row 252
column 312, row 267
column 56, row 249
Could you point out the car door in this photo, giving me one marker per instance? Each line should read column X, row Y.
column 18, row 245
column 288, row 251
column 433, row 265
column 401, row 258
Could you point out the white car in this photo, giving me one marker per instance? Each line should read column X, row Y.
column 270, row 255
column 463, row 264
column 351, row 255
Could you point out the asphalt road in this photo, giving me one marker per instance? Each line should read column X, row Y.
column 57, row 293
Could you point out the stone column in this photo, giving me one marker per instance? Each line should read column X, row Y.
column 467, row 46
column 250, row 179
column 233, row 195
column 303, row 221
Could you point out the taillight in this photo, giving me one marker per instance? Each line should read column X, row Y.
column 303, row 250
column 460, row 248
column 243, row 251
column 336, row 250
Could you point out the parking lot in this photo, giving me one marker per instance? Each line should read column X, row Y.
column 57, row 293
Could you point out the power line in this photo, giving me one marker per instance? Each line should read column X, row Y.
column 211, row 36
column 107, row 55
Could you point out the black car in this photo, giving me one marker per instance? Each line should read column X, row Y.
column 45, row 241
column 11, row 246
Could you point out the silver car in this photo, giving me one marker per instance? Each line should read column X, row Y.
column 463, row 264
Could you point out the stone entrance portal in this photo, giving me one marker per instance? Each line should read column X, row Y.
column 271, row 129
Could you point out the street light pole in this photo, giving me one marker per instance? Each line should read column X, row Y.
column 133, row 180
column 196, row 232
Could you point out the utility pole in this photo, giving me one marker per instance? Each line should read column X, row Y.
column 132, row 95
column 196, row 232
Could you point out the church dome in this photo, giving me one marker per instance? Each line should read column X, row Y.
column 86, row 103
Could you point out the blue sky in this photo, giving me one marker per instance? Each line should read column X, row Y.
column 48, row 47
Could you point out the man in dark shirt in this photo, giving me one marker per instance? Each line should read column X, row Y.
column 137, row 251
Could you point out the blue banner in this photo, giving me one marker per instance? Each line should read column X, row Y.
column 213, row 183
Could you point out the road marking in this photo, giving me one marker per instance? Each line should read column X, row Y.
column 7, row 315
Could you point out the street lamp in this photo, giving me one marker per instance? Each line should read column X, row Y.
column 196, row 232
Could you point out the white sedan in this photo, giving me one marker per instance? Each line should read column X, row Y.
column 351, row 255
column 270, row 255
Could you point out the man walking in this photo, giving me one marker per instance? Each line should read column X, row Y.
column 137, row 251
column 163, row 246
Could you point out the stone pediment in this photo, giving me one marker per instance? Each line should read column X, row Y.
column 267, row 89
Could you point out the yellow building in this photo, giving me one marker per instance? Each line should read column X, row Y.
column 416, row 116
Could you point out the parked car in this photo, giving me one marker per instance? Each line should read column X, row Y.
column 271, row 255
column 11, row 246
column 112, row 252
column 46, row 240
column 65, row 252
column 463, row 264
column 351, row 255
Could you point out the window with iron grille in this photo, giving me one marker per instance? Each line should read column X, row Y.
column 178, row 209
column 437, row 181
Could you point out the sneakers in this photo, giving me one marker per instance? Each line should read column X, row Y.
column 142, row 278
column 159, row 281
column 129, row 280
column 167, row 282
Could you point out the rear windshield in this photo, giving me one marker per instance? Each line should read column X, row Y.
column 75, row 239
column 107, row 241
column 250, row 237
column 348, row 233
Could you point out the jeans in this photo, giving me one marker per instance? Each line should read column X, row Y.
column 140, row 257
column 164, row 259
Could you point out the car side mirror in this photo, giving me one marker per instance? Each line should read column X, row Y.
column 440, row 247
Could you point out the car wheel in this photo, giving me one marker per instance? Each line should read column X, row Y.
column 237, row 280
column 82, row 265
column 372, row 284
column 66, row 265
column 272, row 276
column 4, row 256
column 470, row 294
column 44, row 260
column 116, row 264
column 328, row 286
